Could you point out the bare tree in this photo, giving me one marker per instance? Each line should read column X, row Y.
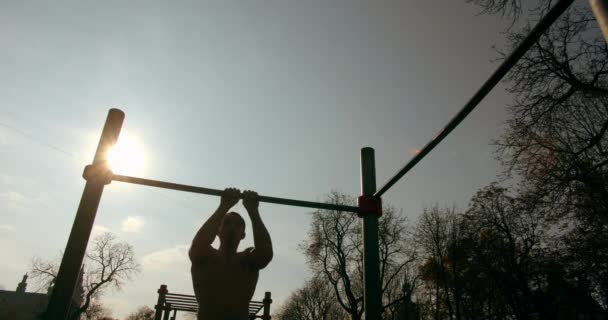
column 509, row 246
column 96, row 311
column 43, row 272
column 556, row 141
column 434, row 237
column 506, row 8
column 142, row 313
column 334, row 252
column 108, row 265
column 314, row 301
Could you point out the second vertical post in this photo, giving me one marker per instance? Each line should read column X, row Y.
column 371, row 261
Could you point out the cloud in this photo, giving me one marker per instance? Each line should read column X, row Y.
column 99, row 230
column 5, row 179
column 172, row 258
column 6, row 227
column 12, row 199
column 133, row 224
column 3, row 139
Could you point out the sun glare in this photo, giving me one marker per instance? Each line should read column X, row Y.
column 127, row 156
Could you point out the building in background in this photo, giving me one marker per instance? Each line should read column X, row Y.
column 22, row 305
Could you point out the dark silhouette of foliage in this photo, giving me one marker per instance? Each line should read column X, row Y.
column 96, row 311
column 506, row 8
column 334, row 252
column 314, row 301
column 454, row 283
column 142, row 313
column 495, row 261
column 555, row 144
column 507, row 241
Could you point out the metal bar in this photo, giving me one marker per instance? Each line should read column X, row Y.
column 181, row 305
column 173, row 300
column 600, row 10
column 181, row 302
column 71, row 262
column 372, row 297
column 185, row 309
column 175, row 304
column 216, row 192
column 502, row 70
column 167, row 310
column 266, row 302
column 181, row 295
column 162, row 294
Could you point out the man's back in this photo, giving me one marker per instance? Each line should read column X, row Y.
column 224, row 287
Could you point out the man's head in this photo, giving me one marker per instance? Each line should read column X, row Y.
column 232, row 228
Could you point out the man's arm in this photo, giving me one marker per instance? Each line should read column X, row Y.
column 262, row 254
column 201, row 244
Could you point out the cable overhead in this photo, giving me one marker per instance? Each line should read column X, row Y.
column 502, row 70
column 36, row 140
column 81, row 159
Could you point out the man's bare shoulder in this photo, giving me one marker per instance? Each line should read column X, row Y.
column 247, row 255
column 211, row 254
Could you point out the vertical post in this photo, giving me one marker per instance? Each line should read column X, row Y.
column 267, row 301
column 600, row 10
column 96, row 176
column 371, row 262
column 167, row 311
column 162, row 293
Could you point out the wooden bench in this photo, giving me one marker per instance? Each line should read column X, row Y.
column 168, row 302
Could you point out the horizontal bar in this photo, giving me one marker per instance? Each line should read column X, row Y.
column 252, row 309
column 182, row 305
column 180, row 295
column 180, row 300
column 502, row 70
column 184, row 309
column 216, row 192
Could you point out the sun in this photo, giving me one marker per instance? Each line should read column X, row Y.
column 127, row 156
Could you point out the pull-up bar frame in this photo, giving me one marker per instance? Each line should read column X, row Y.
column 98, row 175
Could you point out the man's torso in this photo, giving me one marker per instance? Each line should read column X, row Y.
column 224, row 287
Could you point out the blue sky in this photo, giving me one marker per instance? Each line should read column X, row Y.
column 274, row 96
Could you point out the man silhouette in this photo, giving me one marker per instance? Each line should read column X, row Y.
column 224, row 279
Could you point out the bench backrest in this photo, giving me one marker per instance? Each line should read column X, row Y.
column 168, row 302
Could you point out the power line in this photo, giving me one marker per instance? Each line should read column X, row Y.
column 32, row 138
column 77, row 158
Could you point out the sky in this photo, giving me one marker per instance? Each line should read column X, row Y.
column 274, row 96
